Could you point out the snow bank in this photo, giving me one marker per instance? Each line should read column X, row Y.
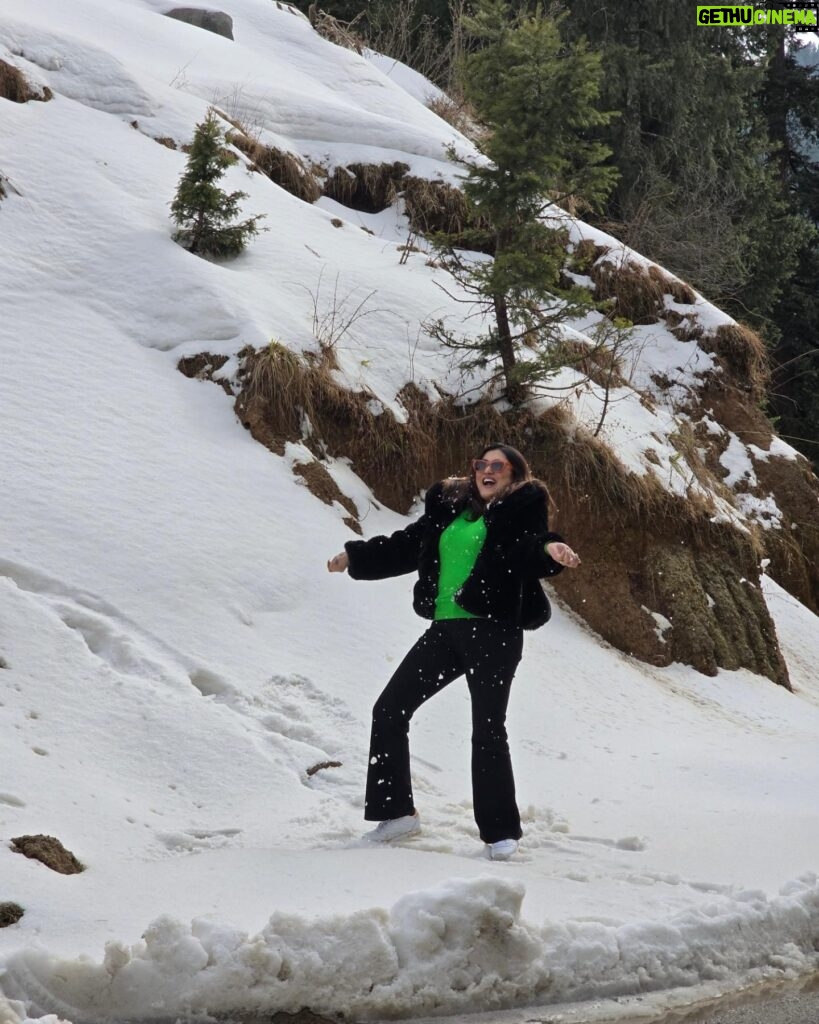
column 457, row 948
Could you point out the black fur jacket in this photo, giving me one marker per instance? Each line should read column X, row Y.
column 504, row 583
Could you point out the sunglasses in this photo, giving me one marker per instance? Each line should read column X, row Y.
column 495, row 466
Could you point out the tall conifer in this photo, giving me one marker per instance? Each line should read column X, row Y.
column 536, row 99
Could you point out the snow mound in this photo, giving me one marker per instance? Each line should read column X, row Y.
column 458, row 948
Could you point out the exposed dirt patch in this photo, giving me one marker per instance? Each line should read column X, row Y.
column 323, row 486
column 704, row 582
column 303, row 1016
column 793, row 548
column 49, row 851
column 10, row 913
column 203, row 366
column 322, row 765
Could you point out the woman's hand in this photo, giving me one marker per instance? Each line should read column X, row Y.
column 563, row 554
column 340, row 562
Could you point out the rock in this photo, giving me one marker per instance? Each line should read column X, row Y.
column 48, row 851
column 10, row 913
column 212, row 21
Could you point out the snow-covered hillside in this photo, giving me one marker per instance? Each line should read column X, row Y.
column 175, row 655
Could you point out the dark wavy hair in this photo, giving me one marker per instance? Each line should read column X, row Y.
column 463, row 491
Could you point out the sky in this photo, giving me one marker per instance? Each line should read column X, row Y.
column 176, row 655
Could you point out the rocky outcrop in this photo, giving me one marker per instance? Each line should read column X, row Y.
column 212, row 21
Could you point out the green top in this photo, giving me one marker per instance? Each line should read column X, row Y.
column 459, row 547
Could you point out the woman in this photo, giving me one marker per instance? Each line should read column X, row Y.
column 480, row 549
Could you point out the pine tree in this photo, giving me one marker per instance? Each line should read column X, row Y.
column 202, row 210
column 536, row 98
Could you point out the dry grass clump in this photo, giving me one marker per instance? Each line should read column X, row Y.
column 637, row 296
column 684, row 326
column 742, row 354
column 434, row 206
column 368, row 188
column 586, row 254
column 282, row 393
column 458, row 114
column 719, row 621
column 598, row 363
column 678, row 290
column 431, row 206
column 638, row 293
column 285, row 169
column 335, row 31
column 15, row 86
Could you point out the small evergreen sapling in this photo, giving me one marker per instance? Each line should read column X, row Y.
column 201, row 209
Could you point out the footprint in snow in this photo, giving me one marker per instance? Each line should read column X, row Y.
column 192, row 840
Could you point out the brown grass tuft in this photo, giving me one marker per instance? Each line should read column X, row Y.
column 597, row 362
column 16, row 87
column 368, row 188
column 637, row 296
column 742, row 355
column 285, row 169
column 684, row 326
column 434, row 206
column 335, row 31
column 460, row 115
column 678, row 290
column 586, row 254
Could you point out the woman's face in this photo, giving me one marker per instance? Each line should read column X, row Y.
column 493, row 474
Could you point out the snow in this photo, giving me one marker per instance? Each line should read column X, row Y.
column 176, row 655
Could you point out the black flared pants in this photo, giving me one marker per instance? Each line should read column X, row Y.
column 487, row 653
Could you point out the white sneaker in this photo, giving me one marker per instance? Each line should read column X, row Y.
column 503, row 849
column 394, row 828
